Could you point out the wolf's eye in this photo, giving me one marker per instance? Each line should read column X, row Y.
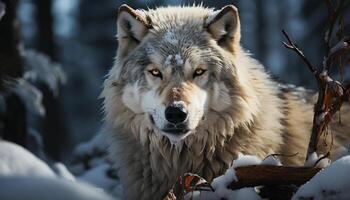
column 156, row 73
column 199, row 72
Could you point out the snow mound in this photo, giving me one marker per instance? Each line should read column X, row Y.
column 43, row 188
column 330, row 183
column 17, row 161
column 221, row 183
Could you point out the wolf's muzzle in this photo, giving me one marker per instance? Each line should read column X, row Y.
column 176, row 114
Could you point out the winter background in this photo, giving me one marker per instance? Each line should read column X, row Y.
column 69, row 46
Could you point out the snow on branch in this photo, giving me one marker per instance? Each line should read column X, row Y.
column 2, row 10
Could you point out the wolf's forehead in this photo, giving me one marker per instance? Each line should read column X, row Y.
column 174, row 47
column 172, row 53
column 178, row 38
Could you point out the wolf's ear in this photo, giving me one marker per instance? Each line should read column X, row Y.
column 224, row 26
column 132, row 27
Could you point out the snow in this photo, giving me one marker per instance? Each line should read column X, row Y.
column 168, row 60
column 2, row 10
column 62, row 172
column 150, row 49
column 174, row 59
column 323, row 163
column 39, row 68
column 89, row 154
column 179, row 60
column 170, row 38
column 339, row 46
column 245, row 160
column 271, row 160
column 21, row 171
column 320, row 117
column 30, row 96
column 35, row 143
column 17, row 161
column 90, row 165
column 43, row 188
column 313, row 158
column 97, row 143
column 221, row 183
column 98, row 176
column 330, row 183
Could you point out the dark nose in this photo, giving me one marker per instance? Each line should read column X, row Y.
column 176, row 113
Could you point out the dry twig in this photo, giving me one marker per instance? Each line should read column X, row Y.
column 331, row 94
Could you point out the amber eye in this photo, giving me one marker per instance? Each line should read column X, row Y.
column 155, row 72
column 199, row 72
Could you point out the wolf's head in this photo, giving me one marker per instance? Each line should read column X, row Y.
column 176, row 71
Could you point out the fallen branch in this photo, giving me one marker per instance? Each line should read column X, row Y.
column 291, row 45
column 256, row 175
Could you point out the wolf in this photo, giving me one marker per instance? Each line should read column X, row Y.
column 184, row 96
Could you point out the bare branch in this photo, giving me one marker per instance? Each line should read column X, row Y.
column 294, row 47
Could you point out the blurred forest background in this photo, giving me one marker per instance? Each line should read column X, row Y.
column 80, row 35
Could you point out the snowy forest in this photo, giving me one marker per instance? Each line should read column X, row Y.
column 54, row 58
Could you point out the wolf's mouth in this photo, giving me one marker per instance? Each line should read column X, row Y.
column 176, row 131
column 171, row 128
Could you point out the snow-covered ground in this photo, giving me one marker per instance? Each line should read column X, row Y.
column 23, row 176
column 221, row 183
column 331, row 183
column 45, row 188
column 17, row 161
column 91, row 176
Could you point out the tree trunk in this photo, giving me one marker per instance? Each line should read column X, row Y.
column 13, row 119
column 10, row 58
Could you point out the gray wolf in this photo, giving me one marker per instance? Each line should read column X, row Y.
column 183, row 96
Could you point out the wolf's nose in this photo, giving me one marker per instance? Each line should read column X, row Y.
column 176, row 113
